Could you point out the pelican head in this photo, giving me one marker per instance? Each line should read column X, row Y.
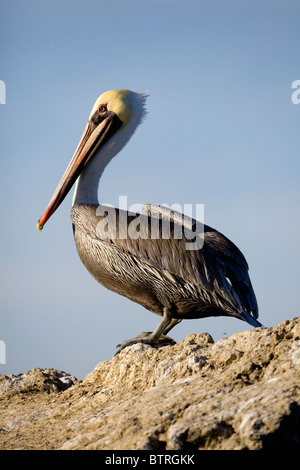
column 113, row 120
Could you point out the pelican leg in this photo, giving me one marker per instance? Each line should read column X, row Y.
column 157, row 336
column 174, row 322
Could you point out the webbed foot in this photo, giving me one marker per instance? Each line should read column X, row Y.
column 146, row 338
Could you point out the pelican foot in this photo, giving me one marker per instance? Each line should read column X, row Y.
column 146, row 338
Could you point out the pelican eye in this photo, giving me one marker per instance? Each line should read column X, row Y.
column 99, row 115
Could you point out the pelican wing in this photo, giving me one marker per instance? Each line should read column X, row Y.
column 218, row 266
column 230, row 263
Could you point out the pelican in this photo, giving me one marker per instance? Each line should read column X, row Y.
column 159, row 273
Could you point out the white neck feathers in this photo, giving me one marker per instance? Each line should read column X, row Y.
column 86, row 190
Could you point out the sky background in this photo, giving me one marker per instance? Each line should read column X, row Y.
column 221, row 131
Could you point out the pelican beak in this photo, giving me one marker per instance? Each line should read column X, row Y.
column 94, row 137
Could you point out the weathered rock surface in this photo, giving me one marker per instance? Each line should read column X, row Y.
column 242, row 392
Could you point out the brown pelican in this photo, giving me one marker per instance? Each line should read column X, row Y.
column 159, row 273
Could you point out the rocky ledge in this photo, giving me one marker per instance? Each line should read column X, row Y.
column 242, row 392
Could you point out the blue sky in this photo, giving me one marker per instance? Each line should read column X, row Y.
column 221, row 131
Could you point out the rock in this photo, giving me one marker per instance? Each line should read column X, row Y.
column 242, row 392
column 35, row 381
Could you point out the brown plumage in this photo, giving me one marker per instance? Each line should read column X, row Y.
column 160, row 273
